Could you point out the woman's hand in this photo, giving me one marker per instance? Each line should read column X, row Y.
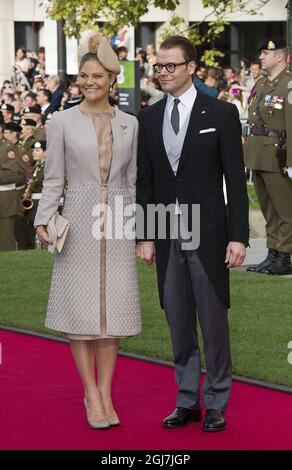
column 146, row 252
column 43, row 236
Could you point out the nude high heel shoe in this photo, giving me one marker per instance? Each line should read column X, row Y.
column 113, row 420
column 99, row 423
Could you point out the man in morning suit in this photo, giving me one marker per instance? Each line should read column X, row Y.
column 187, row 142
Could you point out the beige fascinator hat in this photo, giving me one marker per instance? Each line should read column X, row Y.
column 98, row 44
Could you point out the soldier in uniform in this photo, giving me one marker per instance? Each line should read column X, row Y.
column 27, row 134
column 268, row 153
column 2, row 125
column 47, row 122
column 3, row 140
column 7, row 112
column 24, row 161
column 8, row 197
column 32, row 192
column 34, row 112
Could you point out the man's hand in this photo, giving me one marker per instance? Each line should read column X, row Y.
column 235, row 254
column 146, row 251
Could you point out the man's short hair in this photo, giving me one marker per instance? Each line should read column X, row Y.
column 121, row 49
column 285, row 52
column 47, row 93
column 187, row 47
column 256, row 62
column 32, row 95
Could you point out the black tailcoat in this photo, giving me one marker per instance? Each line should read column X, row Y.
column 204, row 159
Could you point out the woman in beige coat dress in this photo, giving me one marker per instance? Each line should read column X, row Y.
column 94, row 291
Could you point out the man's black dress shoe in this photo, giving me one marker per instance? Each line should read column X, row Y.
column 214, row 421
column 260, row 268
column 282, row 265
column 182, row 416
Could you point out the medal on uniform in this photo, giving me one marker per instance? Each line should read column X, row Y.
column 274, row 102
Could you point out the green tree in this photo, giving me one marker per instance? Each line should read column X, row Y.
column 81, row 15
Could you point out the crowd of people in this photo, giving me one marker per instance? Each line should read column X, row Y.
column 30, row 97
column 223, row 83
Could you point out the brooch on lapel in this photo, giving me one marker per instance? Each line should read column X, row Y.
column 203, row 112
column 124, row 127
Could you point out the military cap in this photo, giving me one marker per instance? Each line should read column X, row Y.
column 12, row 126
column 272, row 44
column 33, row 109
column 40, row 144
column 7, row 107
column 28, row 122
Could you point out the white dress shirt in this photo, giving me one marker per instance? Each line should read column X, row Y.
column 44, row 107
column 185, row 105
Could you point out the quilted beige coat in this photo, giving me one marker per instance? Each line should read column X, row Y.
column 74, row 301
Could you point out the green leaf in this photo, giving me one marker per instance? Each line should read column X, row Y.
column 82, row 15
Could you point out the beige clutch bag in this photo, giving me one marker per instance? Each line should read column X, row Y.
column 57, row 229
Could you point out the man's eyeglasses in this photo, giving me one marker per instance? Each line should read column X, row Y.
column 169, row 67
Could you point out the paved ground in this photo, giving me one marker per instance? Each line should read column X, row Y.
column 257, row 251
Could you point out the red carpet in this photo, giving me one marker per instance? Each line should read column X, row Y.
column 42, row 406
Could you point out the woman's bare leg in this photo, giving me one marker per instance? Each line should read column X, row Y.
column 106, row 356
column 84, row 355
